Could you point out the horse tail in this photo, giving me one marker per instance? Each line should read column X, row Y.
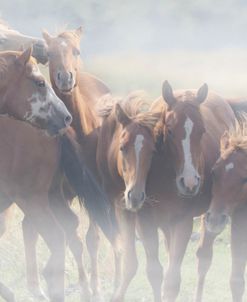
column 86, row 187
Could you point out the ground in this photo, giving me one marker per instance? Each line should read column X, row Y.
column 12, row 271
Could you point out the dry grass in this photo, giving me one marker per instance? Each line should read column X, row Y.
column 13, row 267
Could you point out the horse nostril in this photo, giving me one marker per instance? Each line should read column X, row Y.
column 129, row 195
column 182, row 182
column 70, row 76
column 59, row 76
column 68, row 120
column 142, row 196
column 207, row 216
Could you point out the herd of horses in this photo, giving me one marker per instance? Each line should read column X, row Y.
column 136, row 166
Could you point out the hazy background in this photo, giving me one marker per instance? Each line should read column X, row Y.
column 138, row 44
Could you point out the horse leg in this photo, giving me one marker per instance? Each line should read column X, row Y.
column 93, row 240
column 5, row 210
column 204, row 255
column 68, row 220
column 43, row 220
column 149, row 236
column 30, row 237
column 128, row 257
column 239, row 254
column 6, row 293
column 179, row 237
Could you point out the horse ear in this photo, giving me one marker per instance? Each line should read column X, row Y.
column 79, row 31
column 121, row 116
column 167, row 94
column 25, row 56
column 202, row 93
column 225, row 141
column 47, row 37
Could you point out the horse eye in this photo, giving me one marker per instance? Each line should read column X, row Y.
column 40, row 83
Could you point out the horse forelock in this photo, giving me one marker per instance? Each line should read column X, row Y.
column 70, row 36
column 135, row 105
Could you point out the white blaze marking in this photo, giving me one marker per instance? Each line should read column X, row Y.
column 64, row 44
column 188, row 164
column 229, row 166
column 36, row 72
column 138, row 146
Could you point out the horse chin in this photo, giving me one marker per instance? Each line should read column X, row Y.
column 130, row 207
column 187, row 195
column 66, row 91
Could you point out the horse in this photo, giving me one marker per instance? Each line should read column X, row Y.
column 28, row 98
column 179, row 180
column 79, row 91
column 35, row 103
column 126, row 144
column 11, row 39
column 229, row 200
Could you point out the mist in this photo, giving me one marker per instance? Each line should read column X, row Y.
column 138, row 44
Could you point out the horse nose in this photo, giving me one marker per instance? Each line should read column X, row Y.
column 189, row 185
column 136, row 199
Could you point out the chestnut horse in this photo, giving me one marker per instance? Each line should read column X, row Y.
column 179, row 179
column 11, row 39
column 26, row 96
column 79, row 91
column 229, row 200
column 125, row 147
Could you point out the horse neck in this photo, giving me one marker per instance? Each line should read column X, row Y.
column 84, row 119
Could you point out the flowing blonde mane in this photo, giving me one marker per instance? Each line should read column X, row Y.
column 238, row 133
column 135, row 105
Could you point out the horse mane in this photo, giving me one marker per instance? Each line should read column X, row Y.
column 136, row 106
column 238, row 133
